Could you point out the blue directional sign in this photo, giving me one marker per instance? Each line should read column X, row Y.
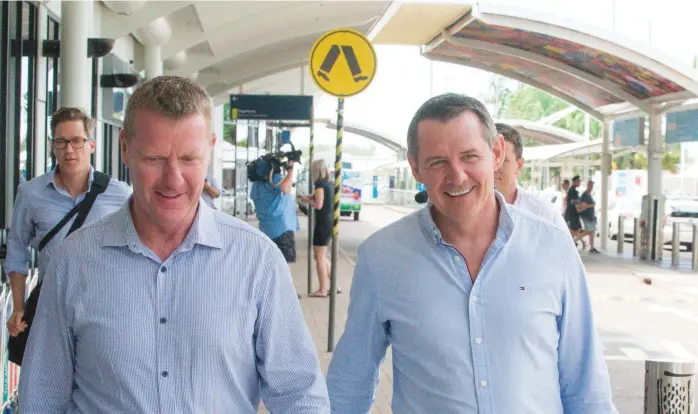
column 682, row 126
column 285, row 137
column 629, row 132
column 271, row 107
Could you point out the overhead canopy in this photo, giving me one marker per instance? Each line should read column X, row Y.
column 228, row 44
column 546, row 153
column 373, row 135
column 545, row 134
column 598, row 71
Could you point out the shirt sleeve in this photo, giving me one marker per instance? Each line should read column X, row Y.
column 584, row 382
column 287, row 362
column 46, row 383
column 21, row 233
column 355, row 367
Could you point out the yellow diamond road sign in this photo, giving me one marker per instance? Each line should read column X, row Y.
column 342, row 62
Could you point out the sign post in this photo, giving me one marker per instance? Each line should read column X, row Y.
column 342, row 63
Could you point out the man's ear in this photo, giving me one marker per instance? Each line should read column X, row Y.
column 498, row 151
column 123, row 146
column 519, row 165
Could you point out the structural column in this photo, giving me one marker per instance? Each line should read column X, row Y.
column 75, row 66
column 40, row 92
column 215, row 168
column 605, row 173
column 153, row 61
column 654, row 155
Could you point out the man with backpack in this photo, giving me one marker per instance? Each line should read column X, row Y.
column 50, row 207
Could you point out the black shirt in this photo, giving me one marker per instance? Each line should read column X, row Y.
column 588, row 213
column 324, row 215
column 571, row 210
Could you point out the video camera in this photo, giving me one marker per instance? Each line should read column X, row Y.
column 258, row 170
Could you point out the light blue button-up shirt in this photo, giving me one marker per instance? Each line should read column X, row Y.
column 276, row 211
column 211, row 329
column 521, row 339
column 39, row 206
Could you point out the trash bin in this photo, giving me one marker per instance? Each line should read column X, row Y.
column 669, row 387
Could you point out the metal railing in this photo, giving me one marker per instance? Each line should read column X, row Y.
column 675, row 241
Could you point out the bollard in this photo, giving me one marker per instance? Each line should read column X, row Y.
column 636, row 237
column 675, row 243
column 621, row 234
column 669, row 387
column 694, row 248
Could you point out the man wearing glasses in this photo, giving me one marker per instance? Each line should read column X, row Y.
column 45, row 201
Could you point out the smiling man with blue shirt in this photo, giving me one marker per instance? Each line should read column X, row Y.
column 481, row 317
column 169, row 306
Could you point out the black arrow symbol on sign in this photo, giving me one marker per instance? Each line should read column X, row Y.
column 331, row 59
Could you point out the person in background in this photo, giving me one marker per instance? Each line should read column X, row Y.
column 321, row 200
column 44, row 201
column 506, row 177
column 572, row 214
column 587, row 214
column 481, row 317
column 211, row 191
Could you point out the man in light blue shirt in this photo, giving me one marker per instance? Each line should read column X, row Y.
column 481, row 316
column 44, row 201
column 169, row 306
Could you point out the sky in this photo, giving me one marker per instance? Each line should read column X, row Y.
column 402, row 81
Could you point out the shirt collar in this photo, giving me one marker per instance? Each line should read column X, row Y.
column 52, row 177
column 203, row 231
column 504, row 228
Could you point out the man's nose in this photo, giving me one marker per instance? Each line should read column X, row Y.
column 456, row 174
column 173, row 174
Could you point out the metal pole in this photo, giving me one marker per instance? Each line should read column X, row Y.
column 669, row 387
column 675, row 243
column 335, row 230
column 247, row 182
column 311, row 210
column 636, row 237
column 621, row 234
column 236, row 170
column 694, row 248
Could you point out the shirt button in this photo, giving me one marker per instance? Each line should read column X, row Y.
column 477, row 340
column 163, row 320
column 163, row 269
column 456, row 259
column 483, row 383
column 165, row 374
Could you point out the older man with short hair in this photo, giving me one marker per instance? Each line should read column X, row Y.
column 169, row 306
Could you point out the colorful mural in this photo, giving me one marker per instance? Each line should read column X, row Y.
column 566, row 84
column 633, row 79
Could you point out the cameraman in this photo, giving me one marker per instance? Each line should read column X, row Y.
column 276, row 210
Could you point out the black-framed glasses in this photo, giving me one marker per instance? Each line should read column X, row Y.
column 76, row 143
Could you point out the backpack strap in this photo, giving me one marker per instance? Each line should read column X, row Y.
column 99, row 185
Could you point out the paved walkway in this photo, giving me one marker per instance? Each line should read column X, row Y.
column 316, row 311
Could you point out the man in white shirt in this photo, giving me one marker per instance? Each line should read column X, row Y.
column 505, row 180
